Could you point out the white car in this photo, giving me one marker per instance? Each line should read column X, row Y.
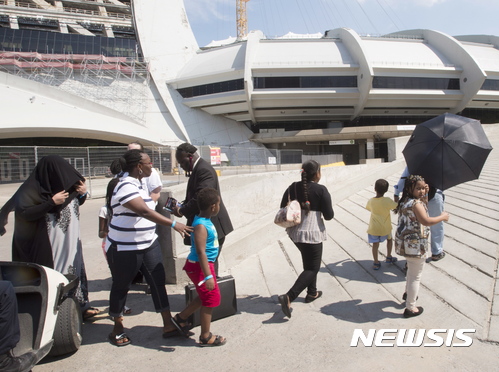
column 50, row 320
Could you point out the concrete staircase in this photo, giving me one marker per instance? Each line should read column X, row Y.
column 461, row 289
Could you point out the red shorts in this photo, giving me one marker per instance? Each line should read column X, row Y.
column 208, row 298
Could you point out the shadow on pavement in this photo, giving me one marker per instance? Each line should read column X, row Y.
column 357, row 312
column 362, row 271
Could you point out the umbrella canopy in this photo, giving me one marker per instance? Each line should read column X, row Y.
column 447, row 150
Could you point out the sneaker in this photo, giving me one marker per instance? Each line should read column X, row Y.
column 438, row 257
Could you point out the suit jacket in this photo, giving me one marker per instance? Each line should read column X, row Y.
column 202, row 176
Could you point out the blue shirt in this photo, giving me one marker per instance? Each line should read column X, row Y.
column 399, row 187
column 211, row 240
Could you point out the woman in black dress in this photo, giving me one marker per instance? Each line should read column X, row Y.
column 47, row 222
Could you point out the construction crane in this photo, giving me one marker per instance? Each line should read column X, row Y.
column 242, row 21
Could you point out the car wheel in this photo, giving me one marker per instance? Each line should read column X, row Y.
column 67, row 331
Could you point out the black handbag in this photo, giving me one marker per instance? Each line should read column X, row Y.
column 228, row 304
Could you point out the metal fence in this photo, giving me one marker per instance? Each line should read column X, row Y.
column 17, row 162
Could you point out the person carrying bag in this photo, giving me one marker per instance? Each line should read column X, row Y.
column 308, row 235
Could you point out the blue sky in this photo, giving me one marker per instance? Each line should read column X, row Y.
column 216, row 19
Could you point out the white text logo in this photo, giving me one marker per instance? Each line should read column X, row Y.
column 413, row 337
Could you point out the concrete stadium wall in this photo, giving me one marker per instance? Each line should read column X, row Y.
column 395, row 147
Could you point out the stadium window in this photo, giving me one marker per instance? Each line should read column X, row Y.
column 29, row 40
column 286, row 82
column 490, row 84
column 396, row 82
column 212, row 88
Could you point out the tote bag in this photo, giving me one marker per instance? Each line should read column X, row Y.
column 290, row 215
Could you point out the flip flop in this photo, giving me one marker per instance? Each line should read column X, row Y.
column 114, row 339
column 181, row 330
column 90, row 313
column 377, row 265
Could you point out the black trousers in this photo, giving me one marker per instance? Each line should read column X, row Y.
column 9, row 321
column 220, row 245
column 311, row 255
column 124, row 265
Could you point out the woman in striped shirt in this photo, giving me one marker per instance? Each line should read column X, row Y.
column 132, row 243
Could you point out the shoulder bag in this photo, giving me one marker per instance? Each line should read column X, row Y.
column 290, row 215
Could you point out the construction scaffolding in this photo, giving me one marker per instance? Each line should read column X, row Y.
column 120, row 83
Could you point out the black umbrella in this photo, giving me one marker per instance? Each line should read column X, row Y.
column 447, row 150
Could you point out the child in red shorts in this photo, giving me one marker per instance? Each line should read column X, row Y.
column 201, row 270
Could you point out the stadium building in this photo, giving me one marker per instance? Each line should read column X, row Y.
column 106, row 71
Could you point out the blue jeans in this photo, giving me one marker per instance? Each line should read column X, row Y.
column 124, row 265
column 435, row 209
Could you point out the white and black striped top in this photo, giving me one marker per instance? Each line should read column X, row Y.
column 127, row 230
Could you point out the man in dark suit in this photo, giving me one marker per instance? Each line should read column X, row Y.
column 201, row 175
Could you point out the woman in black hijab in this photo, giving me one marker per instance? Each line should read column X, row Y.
column 47, row 223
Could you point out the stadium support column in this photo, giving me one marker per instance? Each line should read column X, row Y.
column 252, row 46
column 370, row 148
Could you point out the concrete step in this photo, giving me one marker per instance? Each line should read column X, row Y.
column 470, row 205
column 464, row 235
column 472, row 285
column 458, row 295
column 250, row 280
column 250, row 239
column 472, row 257
column 277, row 269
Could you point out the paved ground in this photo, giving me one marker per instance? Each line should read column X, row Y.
column 458, row 292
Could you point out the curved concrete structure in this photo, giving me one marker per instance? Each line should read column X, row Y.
column 299, row 88
column 32, row 109
column 413, row 54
